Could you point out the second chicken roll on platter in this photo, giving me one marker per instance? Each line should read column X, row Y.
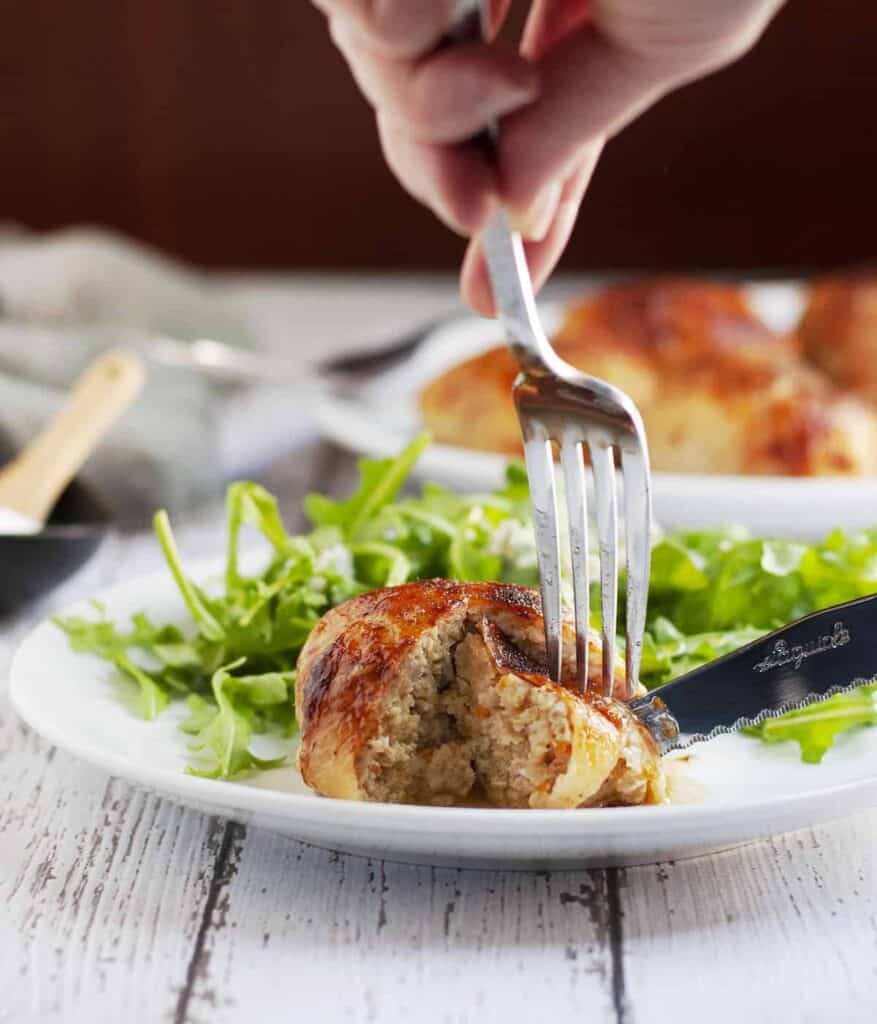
column 719, row 391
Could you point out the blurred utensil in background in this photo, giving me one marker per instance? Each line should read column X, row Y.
column 32, row 483
column 36, row 487
column 245, row 366
column 33, row 564
column 211, row 411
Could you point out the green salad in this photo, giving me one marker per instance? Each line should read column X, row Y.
column 234, row 666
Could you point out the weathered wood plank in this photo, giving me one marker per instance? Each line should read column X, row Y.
column 101, row 885
column 302, row 930
column 779, row 930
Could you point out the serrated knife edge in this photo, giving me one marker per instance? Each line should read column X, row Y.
column 648, row 715
column 787, row 669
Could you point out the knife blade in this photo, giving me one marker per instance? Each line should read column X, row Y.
column 830, row 651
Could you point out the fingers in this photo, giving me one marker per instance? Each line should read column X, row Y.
column 588, row 90
column 550, row 21
column 455, row 182
column 542, row 254
column 406, row 29
column 446, row 97
column 426, row 106
column 588, row 68
column 403, row 29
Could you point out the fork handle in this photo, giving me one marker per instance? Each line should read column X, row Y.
column 503, row 247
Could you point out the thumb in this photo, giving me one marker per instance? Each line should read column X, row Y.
column 542, row 253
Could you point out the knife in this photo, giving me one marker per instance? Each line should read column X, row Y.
column 237, row 365
column 815, row 657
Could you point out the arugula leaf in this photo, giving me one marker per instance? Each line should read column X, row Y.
column 725, row 580
column 195, row 601
column 668, row 653
column 102, row 638
column 393, row 567
column 226, row 734
column 250, row 503
column 380, row 482
column 262, row 690
column 815, row 727
column 153, row 699
column 201, row 713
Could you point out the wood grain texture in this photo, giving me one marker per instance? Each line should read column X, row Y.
column 101, row 885
column 118, row 905
column 784, row 929
column 367, row 940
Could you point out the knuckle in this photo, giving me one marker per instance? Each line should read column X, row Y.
column 401, row 28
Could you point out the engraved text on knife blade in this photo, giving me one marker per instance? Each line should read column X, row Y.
column 784, row 654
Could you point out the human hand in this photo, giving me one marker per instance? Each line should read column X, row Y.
column 585, row 69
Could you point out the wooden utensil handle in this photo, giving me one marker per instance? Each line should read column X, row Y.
column 33, row 482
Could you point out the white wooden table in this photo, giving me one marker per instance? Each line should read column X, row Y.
column 119, row 906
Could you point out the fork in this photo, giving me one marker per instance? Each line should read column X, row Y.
column 557, row 404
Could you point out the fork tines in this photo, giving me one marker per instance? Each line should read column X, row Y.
column 574, row 441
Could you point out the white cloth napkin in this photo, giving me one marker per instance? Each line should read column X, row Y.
column 64, row 297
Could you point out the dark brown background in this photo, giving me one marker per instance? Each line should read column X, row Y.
column 229, row 132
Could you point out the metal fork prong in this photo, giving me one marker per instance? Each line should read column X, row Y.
column 573, row 465
column 637, row 531
column 603, row 464
column 543, row 497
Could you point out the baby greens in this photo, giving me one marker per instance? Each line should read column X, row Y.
column 815, row 727
column 711, row 592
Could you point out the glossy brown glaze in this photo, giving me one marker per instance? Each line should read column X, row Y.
column 357, row 651
column 671, row 317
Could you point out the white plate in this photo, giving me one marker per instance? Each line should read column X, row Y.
column 731, row 791
column 385, row 414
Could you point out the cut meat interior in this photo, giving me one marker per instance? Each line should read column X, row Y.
column 524, row 740
column 460, row 707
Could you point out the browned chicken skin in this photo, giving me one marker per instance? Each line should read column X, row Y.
column 719, row 392
column 418, row 693
column 839, row 331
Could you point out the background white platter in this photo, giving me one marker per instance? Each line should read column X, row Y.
column 384, row 415
column 730, row 791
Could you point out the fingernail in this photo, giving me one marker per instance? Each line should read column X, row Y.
column 534, row 222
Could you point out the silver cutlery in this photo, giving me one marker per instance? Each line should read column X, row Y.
column 243, row 366
column 558, row 405
column 827, row 652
